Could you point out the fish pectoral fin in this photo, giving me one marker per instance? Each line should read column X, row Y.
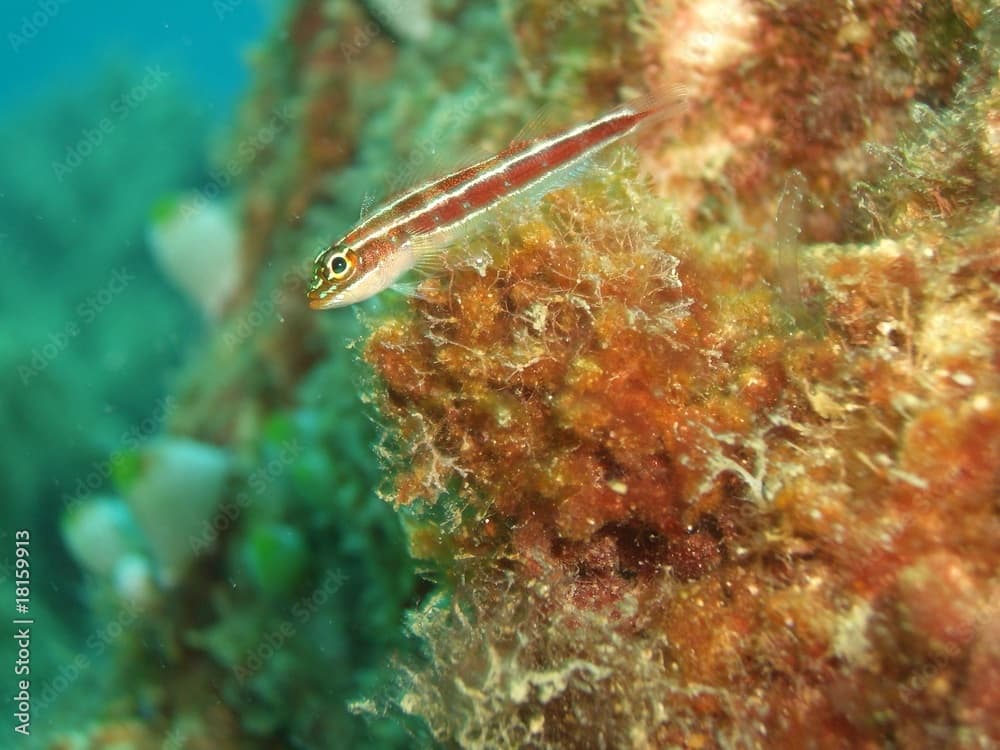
column 409, row 289
column 431, row 252
column 432, row 263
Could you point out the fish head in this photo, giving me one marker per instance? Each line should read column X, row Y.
column 342, row 275
column 334, row 272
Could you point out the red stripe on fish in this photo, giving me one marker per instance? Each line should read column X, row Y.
column 373, row 255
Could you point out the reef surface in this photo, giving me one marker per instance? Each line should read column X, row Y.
column 701, row 451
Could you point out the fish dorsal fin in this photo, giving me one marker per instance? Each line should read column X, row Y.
column 421, row 164
column 367, row 203
column 433, row 166
column 665, row 102
column 547, row 120
column 441, row 146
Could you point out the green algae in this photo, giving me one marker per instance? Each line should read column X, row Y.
column 637, row 599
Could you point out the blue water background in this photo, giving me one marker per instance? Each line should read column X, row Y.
column 80, row 382
column 52, row 46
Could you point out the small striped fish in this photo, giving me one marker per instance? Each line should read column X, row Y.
column 417, row 226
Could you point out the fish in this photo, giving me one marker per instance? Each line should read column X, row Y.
column 415, row 228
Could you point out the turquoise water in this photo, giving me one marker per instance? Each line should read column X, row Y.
column 107, row 108
column 168, row 584
column 51, row 47
column 195, row 548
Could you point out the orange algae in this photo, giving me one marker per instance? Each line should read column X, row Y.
column 797, row 85
column 664, row 500
column 660, row 513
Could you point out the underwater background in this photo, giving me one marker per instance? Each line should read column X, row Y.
column 701, row 450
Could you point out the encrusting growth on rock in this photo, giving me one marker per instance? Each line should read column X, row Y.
column 659, row 493
column 649, row 486
column 683, row 464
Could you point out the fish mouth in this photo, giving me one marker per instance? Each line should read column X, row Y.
column 320, row 301
column 316, row 302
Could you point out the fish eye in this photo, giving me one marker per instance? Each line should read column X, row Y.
column 339, row 266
